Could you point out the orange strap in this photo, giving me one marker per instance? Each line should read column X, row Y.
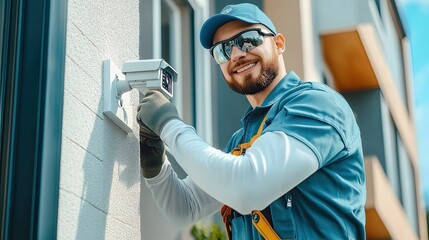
column 241, row 149
column 263, row 226
column 226, row 213
column 258, row 219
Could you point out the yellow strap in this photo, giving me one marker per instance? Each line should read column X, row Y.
column 261, row 127
column 263, row 226
column 258, row 134
column 258, row 219
column 244, row 146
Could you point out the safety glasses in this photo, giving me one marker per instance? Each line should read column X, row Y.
column 244, row 41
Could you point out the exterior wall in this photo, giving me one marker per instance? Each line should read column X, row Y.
column 294, row 19
column 392, row 48
column 102, row 192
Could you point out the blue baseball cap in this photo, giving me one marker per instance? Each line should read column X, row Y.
column 245, row 12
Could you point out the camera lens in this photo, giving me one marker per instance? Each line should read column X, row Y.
column 167, row 81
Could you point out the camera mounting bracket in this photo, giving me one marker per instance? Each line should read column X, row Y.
column 117, row 106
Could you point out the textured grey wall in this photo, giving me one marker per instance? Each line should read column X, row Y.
column 100, row 180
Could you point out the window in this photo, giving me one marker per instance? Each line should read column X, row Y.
column 408, row 187
column 177, row 48
column 30, row 116
column 170, row 30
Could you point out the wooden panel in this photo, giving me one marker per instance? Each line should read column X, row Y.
column 386, row 219
column 347, row 61
column 374, row 227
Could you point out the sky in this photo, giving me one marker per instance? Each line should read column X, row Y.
column 415, row 17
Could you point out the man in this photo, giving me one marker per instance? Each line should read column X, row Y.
column 293, row 171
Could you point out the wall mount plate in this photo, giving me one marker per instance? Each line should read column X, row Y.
column 117, row 110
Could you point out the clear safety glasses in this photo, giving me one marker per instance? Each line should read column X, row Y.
column 244, row 41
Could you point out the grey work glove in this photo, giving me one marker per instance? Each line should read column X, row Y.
column 155, row 110
column 152, row 152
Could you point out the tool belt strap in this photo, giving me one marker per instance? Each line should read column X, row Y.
column 263, row 226
column 258, row 219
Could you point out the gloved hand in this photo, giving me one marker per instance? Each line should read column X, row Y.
column 152, row 152
column 154, row 111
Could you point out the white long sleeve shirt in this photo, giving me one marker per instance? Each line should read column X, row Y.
column 272, row 166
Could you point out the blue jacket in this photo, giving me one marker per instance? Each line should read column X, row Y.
column 330, row 203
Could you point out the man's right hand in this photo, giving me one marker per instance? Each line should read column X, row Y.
column 152, row 152
column 155, row 110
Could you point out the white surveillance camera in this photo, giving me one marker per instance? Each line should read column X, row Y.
column 148, row 74
column 144, row 75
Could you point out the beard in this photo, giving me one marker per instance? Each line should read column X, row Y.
column 251, row 85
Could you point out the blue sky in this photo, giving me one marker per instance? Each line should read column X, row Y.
column 415, row 16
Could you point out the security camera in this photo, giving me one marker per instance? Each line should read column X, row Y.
column 148, row 74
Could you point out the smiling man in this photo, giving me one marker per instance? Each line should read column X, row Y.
column 294, row 170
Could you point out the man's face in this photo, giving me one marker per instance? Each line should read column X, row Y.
column 248, row 72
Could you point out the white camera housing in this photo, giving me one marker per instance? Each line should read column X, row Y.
column 150, row 74
column 144, row 75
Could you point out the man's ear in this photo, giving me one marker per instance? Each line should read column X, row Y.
column 280, row 43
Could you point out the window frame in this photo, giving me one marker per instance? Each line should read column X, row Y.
column 32, row 85
column 150, row 47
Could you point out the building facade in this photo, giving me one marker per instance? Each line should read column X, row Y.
column 360, row 48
